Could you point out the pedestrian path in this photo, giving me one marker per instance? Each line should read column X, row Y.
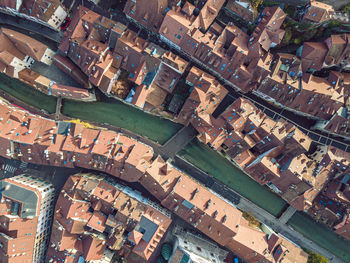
column 179, row 140
column 287, row 214
column 58, row 108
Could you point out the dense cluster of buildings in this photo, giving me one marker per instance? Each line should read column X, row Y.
column 95, row 217
column 123, row 64
column 90, row 221
column 85, row 202
column 276, row 154
column 318, row 12
column 51, row 13
column 18, row 52
column 104, row 49
column 107, row 51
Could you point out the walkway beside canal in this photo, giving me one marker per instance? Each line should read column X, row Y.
column 120, row 114
column 269, row 210
column 11, row 18
column 104, row 113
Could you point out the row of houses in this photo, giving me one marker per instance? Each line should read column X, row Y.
column 33, row 139
column 283, row 79
column 101, row 48
column 51, row 13
column 26, row 209
column 18, row 52
column 246, row 64
column 278, row 155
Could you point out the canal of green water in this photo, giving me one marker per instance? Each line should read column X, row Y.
column 210, row 161
column 321, row 235
column 109, row 111
column 26, row 94
column 125, row 116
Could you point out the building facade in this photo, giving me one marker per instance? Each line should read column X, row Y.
column 26, row 214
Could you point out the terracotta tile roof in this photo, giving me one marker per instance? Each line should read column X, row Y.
column 175, row 26
column 93, row 247
column 337, row 48
column 130, row 47
column 130, row 211
column 145, row 247
column 6, row 58
column 69, row 91
column 25, row 44
column 125, row 205
column 61, row 238
column 104, row 143
column 167, row 77
column 63, row 256
column 70, row 207
column 219, row 219
column 293, row 253
column 139, row 98
column 8, row 3
column 188, row 8
column 138, row 159
column 43, row 10
column 319, row 12
column 249, row 244
column 135, row 237
column 8, row 45
column 149, row 14
column 317, row 98
column 160, row 178
column 313, row 55
column 208, row 13
column 268, row 32
column 97, row 221
column 155, row 98
column 205, row 97
column 238, row 8
column 344, row 229
column 75, row 225
column 105, row 192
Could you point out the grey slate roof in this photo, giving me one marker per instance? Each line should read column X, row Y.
column 27, row 198
column 148, row 228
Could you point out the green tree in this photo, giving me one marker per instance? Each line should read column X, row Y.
column 316, row 258
column 333, row 24
column 346, row 9
column 287, row 36
column 290, row 10
column 297, row 41
column 166, row 251
column 256, row 3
